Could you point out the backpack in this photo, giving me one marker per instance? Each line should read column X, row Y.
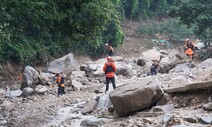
column 109, row 68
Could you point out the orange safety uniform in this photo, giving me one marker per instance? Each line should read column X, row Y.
column 110, row 73
column 189, row 52
column 58, row 80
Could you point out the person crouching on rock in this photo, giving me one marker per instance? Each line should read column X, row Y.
column 153, row 69
column 60, row 80
column 109, row 69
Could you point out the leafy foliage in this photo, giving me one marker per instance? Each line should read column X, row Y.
column 170, row 27
column 197, row 13
column 31, row 29
column 143, row 9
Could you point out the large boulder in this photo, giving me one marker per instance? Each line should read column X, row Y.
column 167, row 63
column 124, row 69
column 135, row 96
column 142, row 61
column 64, row 64
column 46, row 78
column 147, row 67
column 193, row 86
column 152, row 54
column 91, row 68
column 30, row 77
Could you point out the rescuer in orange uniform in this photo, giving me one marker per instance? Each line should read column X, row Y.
column 109, row 69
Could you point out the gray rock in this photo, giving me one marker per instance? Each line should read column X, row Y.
column 2, row 92
column 181, row 126
column 83, row 67
column 178, row 80
column 189, row 87
column 3, row 122
column 181, row 68
column 152, row 54
column 167, row 118
column 40, row 89
column 30, row 77
column 89, row 107
column 208, row 107
column 104, row 101
column 135, row 96
column 147, row 67
column 115, row 59
column 164, row 100
column 142, row 61
column 92, row 122
column 205, row 64
column 92, row 67
column 46, row 78
column 124, row 69
column 27, row 91
column 205, row 119
column 164, row 108
column 66, row 62
column 167, row 63
column 190, row 119
column 91, row 89
column 77, row 85
column 182, row 56
column 15, row 93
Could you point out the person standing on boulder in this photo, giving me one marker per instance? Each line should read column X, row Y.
column 109, row 49
column 109, row 69
column 60, row 83
column 189, row 48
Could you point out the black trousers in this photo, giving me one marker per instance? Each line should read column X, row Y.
column 110, row 53
column 108, row 81
column 153, row 71
column 61, row 90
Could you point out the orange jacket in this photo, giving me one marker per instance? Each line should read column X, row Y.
column 58, row 81
column 109, row 74
column 189, row 51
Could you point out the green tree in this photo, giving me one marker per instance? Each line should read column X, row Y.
column 197, row 13
column 55, row 27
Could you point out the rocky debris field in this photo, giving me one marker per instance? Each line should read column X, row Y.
column 180, row 95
